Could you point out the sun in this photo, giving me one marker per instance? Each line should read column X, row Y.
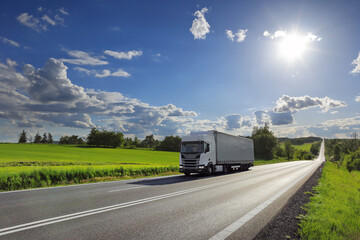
column 292, row 47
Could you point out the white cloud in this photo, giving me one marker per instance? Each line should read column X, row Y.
column 334, row 112
column 123, row 55
column 31, row 22
column 83, row 58
column 309, row 37
column 290, row 104
column 200, row 27
column 272, row 118
column 312, row 37
column 356, row 62
column 47, row 19
column 108, row 73
column 104, row 73
column 240, row 34
column 62, row 10
column 84, row 70
column 40, row 23
column 357, row 99
column 277, row 34
column 10, row 42
column 230, row 35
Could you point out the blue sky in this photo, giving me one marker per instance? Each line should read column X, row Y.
column 172, row 67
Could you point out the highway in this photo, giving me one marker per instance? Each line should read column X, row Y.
column 232, row 206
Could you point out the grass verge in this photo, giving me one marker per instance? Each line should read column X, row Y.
column 334, row 211
column 49, row 177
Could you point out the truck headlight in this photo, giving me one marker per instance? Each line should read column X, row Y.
column 201, row 167
column 180, row 166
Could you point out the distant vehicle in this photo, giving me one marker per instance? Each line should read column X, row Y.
column 210, row 152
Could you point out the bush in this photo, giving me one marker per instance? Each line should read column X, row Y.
column 353, row 161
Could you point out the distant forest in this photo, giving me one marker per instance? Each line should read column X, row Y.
column 300, row 141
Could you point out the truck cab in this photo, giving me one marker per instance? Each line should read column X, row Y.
column 197, row 154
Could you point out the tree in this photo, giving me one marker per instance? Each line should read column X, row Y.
column 279, row 151
column 264, row 142
column 315, row 147
column 73, row 139
column 289, row 150
column 23, row 137
column 50, row 138
column 105, row 138
column 170, row 143
column 149, row 141
column 44, row 138
column 137, row 142
column 37, row 138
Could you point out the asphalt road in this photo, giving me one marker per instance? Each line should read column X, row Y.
column 233, row 206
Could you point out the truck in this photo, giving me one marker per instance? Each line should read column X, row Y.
column 215, row 152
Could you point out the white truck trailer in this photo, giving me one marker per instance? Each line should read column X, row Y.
column 213, row 151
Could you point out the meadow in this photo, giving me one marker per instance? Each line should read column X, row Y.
column 42, row 165
column 334, row 210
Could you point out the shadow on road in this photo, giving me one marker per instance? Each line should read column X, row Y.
column 176, row 179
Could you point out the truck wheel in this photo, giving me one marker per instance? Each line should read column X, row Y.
column 210, row 170
column 187, row 174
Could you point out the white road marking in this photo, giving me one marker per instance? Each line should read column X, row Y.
column 247, row 217
column 121, row 189
column 44, row 222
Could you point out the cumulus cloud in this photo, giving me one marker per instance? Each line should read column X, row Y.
column 356, row 62
column 272, row 118
column 107, row 73
column 240, row 34
column 290, row 104
column 83, row 58
column 277, row 34
column 10, row 42
column 123, row 55
column 47, row 96
column 309, row 37
column 40, row 23
column 236, row 121
column 230, row 35
column 200, row 27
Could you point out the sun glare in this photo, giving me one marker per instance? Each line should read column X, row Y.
column 292, row 47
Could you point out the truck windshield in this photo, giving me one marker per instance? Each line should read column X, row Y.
column 192, row 147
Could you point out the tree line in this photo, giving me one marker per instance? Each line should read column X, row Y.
column 24, row 137
column 267, row 146
column 108, row 139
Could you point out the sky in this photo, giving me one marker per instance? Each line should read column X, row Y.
column 175, row 67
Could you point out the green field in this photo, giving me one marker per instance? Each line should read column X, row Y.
column 26, row 157
column 334, row 211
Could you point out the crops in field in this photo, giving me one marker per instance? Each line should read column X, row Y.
column 38, row 165
column 334, row 211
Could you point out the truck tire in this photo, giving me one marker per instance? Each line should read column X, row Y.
column 187, row 174
column 210, row 170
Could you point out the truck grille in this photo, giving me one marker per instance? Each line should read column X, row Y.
column 190, row 160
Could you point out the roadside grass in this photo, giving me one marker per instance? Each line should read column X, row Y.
column 334, row 211
column 41, row 165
